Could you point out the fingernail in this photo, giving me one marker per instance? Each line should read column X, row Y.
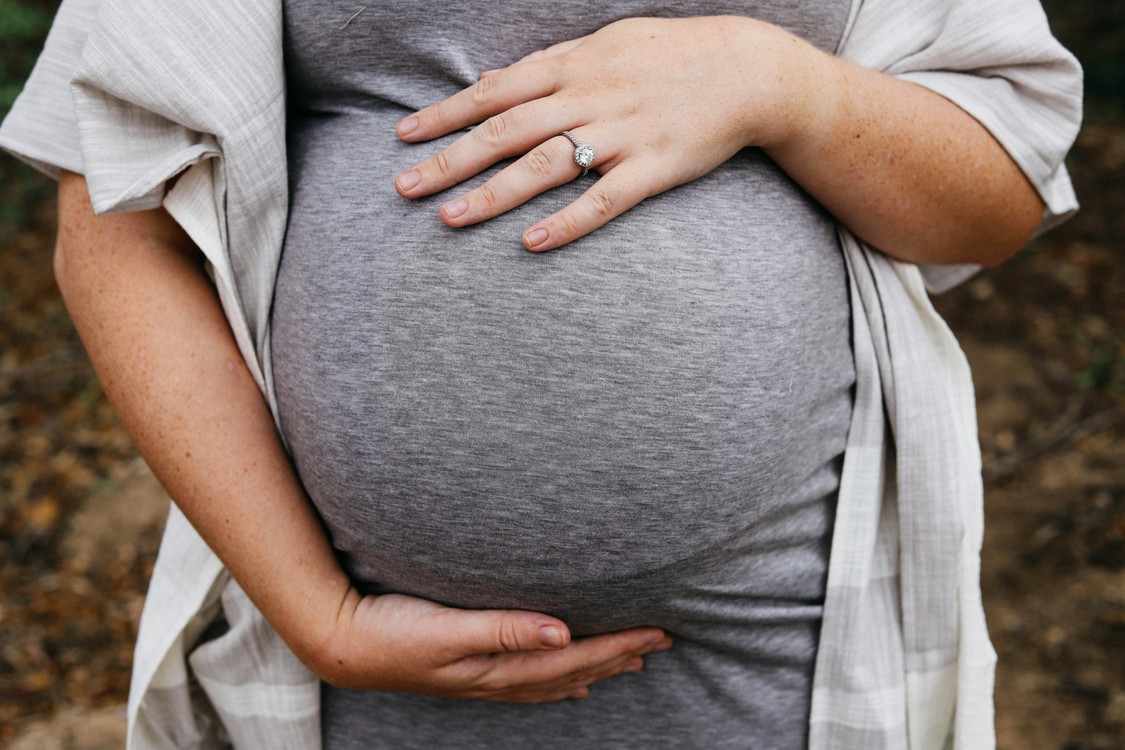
column 408, row 126
column 409, row 180
column 581, row 693
column 536, row 237
column 453, row 209
column 634, row 666
column 552, row 636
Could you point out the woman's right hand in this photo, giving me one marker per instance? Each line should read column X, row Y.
column 137, row 291
column 406, row 644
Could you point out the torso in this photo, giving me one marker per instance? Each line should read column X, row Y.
column 642, row 428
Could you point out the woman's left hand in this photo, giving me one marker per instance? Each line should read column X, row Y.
column 662, row 101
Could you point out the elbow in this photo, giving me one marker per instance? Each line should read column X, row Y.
column 997, row 254
column 995, row 259
column 59, row 264
column 74, row 223
column 72, row 262
column 1008, row 237
column 63, row 262
column 983, row 244
column 997, row 230
column 1011, row 224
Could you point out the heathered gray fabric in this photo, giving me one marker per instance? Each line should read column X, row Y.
column 643, row 428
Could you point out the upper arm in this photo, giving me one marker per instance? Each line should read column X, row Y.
column 114, row 250
column 997, row 61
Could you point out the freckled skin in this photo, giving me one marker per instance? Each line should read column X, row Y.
column 155, row 330
column 903, row 168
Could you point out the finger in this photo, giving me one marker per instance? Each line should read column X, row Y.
column 548, row 165
column 550, row 697
column 553, row 51
column 624, row 665
column 571, row 684
column 585, row 661
column 556, row 689
column 541, row 54
column 490, row 95
column 503, row 631
column 633, row 665
column 617, row 191
column 509, row 133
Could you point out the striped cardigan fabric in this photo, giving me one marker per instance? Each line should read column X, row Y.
column 130, row 94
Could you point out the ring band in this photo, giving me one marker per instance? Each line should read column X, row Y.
column 583, row 152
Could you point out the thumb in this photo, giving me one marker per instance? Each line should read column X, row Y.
column 497, row 631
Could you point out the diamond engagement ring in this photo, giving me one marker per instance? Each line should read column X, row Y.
column 583, row 152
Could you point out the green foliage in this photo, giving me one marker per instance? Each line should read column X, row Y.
column 1105, row 371
column 23, row 26
column 1094, row 30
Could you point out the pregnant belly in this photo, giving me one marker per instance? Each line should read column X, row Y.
column 463, row 411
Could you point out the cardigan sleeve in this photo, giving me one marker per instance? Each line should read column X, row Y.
column 41, row 128
column 999, row 62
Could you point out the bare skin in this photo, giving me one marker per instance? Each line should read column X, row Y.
column 149, row 317
column 664, row 101
column 901, row 167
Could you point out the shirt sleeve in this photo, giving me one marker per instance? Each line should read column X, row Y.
column 1000, row 63
column 41, row 129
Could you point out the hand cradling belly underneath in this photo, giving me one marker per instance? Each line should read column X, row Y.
column 593, row 432
column 643, row 428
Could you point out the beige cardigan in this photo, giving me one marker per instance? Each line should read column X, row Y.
column 904, row 658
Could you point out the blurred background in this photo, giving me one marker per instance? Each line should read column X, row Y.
column 80, row 514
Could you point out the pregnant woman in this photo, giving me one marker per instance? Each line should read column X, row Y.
column 487, row 486
column 643, row 429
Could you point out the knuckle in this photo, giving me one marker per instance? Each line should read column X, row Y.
column 494, row 130
column 441, row 163
column 508, row 635
column 481, row 91
column 603, row 203
column 582, row 672
column 488, row 686
column 568, row 224
column 487, row 195
column 484, row 685
column 539, row 162
column 433, row 118
column 579, row 679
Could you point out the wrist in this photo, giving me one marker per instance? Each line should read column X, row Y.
column 808, row 96
column 323, row 644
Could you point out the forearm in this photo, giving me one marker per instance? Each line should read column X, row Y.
column 900, row 166
column 903, row 168
column 155, row 331
column 157, row 336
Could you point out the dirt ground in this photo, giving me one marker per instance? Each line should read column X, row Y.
column 1046, row 337
column 80, row 514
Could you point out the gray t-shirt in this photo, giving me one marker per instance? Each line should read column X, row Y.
column 643, row 428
